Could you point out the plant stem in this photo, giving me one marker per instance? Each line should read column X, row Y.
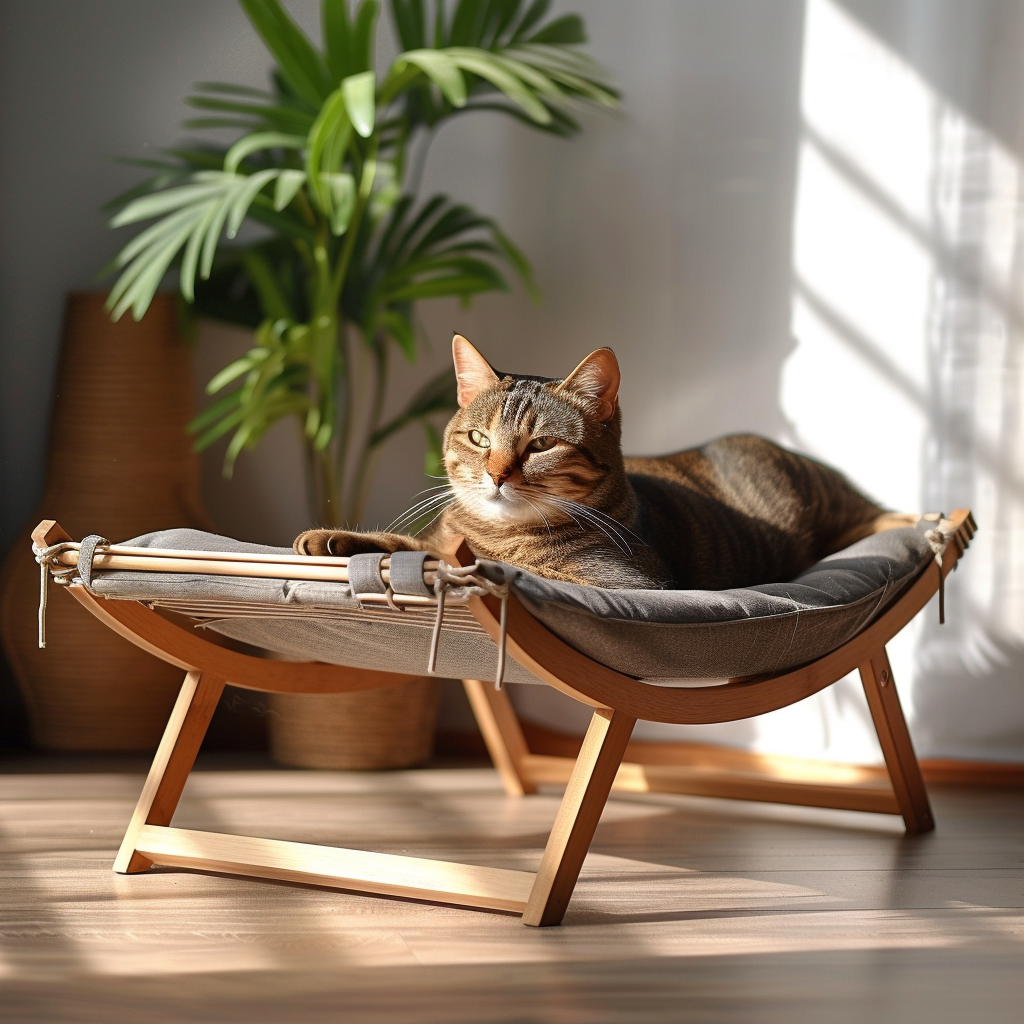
column 327, row 364
column 328, row 499
column 365, row 186
column 312, row 490
column 334, row 286
column 343, row 380
column 363, row 476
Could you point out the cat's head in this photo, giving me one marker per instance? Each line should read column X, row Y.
column 520, row 447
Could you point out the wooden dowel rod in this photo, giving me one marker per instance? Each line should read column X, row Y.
column 70, row 556
column 335, row 571
column 221, row 556
column 211, row 567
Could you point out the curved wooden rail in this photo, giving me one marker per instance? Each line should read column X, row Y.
column 184, row 648
column 549, row 658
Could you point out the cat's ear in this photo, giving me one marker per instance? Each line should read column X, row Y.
column 472, row 371
column 596, row 381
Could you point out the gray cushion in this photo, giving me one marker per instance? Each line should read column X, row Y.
column 659, row 635
column 680, row 634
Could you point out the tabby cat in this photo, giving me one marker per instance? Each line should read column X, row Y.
column 537, row 478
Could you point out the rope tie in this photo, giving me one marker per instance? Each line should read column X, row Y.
column 469, row 581
column 938, row 539
column 47, row 558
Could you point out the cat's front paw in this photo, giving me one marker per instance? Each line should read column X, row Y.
column 339, row 543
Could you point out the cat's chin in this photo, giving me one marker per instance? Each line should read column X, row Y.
column 506, row 510
column 501, row 508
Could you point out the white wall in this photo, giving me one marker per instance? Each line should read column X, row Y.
column 801, row 223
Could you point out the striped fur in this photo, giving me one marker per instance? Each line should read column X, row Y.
column 538, row 479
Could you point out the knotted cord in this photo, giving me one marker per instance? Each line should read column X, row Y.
column 47, row 557
column 938, row 538
column 470, row 582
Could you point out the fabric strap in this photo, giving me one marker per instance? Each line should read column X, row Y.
column 364, row 576
column 407, row 573
column 85, row 557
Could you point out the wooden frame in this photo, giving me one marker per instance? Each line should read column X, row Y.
column 617, row 702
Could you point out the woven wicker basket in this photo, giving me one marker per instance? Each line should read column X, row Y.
column 119, row 463
column 368, row 729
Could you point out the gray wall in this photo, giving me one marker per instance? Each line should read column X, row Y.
column 680, row 231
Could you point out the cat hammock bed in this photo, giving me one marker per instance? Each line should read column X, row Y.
column 265, row 619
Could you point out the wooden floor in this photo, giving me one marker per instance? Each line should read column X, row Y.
column 687, row 910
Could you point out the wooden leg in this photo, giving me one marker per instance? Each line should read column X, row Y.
column 900, row 759
column 500, row 728
column 174, row 759
column 584, row 800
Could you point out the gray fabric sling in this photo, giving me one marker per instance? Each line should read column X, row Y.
column 663, row 636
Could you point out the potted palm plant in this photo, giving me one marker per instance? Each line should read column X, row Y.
column 344, row 247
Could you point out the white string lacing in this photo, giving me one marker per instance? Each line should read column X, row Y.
column 47, row 559
column 470, row 582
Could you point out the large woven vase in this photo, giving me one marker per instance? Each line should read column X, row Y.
column 119, row 463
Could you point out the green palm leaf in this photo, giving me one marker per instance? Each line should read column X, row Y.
column 250, row 144
column 363, row 35
column 360, row 95
column 437, row 65
column 336, row 32
column 484, row 65
column 325, row 144
column 567, row 30
column 300, row 62
column 193, row 217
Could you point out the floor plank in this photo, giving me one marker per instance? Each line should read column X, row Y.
column 687, row 909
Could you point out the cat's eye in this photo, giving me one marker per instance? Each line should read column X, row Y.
column 542, row 444
column 480, row 439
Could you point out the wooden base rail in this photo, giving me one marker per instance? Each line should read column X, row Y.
column 383, row 873
column 876, row 796
column 541, row 898
column 589, row 773
column 714, row 760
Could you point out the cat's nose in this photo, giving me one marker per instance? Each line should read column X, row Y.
column 500, row 476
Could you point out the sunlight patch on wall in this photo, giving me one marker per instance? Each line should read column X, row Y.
column 906, row 321
column 854, row 389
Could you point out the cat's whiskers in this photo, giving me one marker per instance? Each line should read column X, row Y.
column 430, row 522
column 612, row 534
column 564, row 511
column 421, row 505
column 589, row 515
column 543, row 517
column 594, row 517
column 406, row 524
column 428, row 490
column 423, row 508
column 619, row 528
